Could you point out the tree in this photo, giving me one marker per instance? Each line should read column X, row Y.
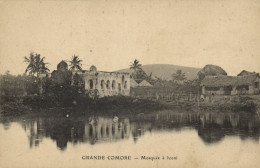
column 191, row 86
column 75, row 63
column 36, row 64
column 179, row 76
column 135, row 65
column 78, row 83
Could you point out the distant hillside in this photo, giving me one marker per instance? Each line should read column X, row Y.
column 165, row 71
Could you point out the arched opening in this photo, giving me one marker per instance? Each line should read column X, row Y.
column 91, row 84
column 119, row 87
column 101, row 131
column 102, row 84
column 123, row 79
column 114, row 85
column 125, row 85
column 108, row 84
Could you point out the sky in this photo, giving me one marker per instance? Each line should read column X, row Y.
column 110, row 34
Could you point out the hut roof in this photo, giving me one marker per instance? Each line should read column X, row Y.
column 244, row 72
column 139, row 74
column 145, row 83
column 133, row 83
column 222, row 80
column 210, row 70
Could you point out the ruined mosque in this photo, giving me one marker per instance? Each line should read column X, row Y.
column 106, row 83
column 95, row 82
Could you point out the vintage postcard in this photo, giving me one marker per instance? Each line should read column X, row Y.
column 129, row 83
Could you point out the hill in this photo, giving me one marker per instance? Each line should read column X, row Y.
column 165, row 71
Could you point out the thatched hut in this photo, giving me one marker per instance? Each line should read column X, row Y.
column 244, row 73
column 144, row 83
column 211, row 70
column 133, row 83
column 231, row 85
column 139, row 75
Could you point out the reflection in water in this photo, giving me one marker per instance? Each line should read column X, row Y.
column 211, row 127
column 65, row 130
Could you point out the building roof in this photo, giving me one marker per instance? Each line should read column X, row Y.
column 212, row 70
column 222, row 80
column 62, row 65
column 145, row 83
column 93, row 68
column 244, row 72
column 133, row 83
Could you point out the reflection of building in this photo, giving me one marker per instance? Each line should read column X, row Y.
column 34, row 131
column 103, row 129
column 211, row 127
column 138, row 129
column 63, row 131
column 231, row 85
column 107, row 83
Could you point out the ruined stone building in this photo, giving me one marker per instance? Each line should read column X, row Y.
column 106, row 83
column 96, row 83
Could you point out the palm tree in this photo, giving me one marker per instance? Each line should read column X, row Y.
column 75, row 63
column 36, row 64
column 135, row 65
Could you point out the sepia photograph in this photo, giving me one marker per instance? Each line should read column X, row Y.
column 129, row 83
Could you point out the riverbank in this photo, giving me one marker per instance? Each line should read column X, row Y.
column 116, row 105
column 249, row 103
column 81, row 106
column 242, row 103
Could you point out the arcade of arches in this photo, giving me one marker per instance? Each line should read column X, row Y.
column 107, row 83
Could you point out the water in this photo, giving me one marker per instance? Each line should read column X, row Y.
column 188, row 139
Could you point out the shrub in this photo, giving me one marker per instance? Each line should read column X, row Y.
column 13, row 108
column 247, row 105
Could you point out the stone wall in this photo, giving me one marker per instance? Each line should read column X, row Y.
column 107, row 83
column 220, row 91
column 234, row 91
column 248, row 88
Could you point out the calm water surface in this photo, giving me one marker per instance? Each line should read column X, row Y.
column 197, row 140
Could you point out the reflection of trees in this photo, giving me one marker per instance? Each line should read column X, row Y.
column 211, row 134
column 5, row 122
column 64, row 131
column 212, row 127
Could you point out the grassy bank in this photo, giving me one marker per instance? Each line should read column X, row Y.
column 79, row 105
column 114, row 105
column 237, row 103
